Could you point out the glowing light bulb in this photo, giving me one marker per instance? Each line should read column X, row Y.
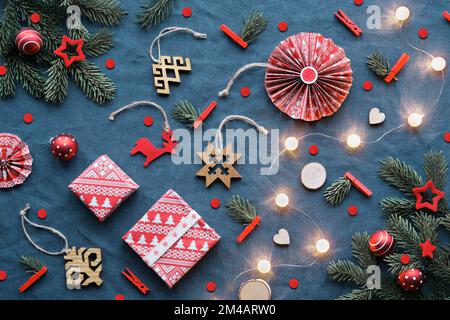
column 322, row 246
column 291, row 143
column 353, row 141
column 438, row 64
column 415, row 119
column 282, row 200
column 264, row 266
column 402, row 13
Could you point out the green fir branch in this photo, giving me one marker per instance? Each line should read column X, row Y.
column 404, row 234
column 8, row 28
column 241, row 210
column 99, row 43
column 104, row 12
column 154, row 12
column 361, row 251
column 347, row 271
column 29, row 77
column 400, row 175
column 398, row 206
column 31, row 264
column 7, row 82
column 186, row 113
column 396, row 266
column 358, row 294
column 427, row 226
column 379, row 64
column 57, row 82
column 436, row 168
column 254, row 24
column 338, row 190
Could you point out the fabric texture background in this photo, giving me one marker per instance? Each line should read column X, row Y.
column 213, row 62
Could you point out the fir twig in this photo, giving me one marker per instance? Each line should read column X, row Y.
column 358, row 294
column 154, row 12
column 347, row 271
column 105, row 12
column 398, row 206
column 7, row 83
column 29, row 77
column 378, row 63
column 361, row 251
column 338, row 190
column 57, row 82
column 31, row 264
column 254, row 24
column 404, row 234
column 240, row 209
column 436, row 168
column 396, row 266
column 399, row 175
column 185, row 112
column 99, row 43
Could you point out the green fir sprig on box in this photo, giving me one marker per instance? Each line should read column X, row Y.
column 185, row 113
column 154, row 12
column 254, row 24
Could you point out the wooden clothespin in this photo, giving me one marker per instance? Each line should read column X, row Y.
column 446, row 15
column 358, row 184
column 205, row 113
column 342, row 17
column 234, row 36
column 401, row 62
column 135, row 280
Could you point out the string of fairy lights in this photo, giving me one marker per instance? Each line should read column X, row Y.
column 353, row 141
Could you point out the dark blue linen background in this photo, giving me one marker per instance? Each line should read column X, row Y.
column 213, row 62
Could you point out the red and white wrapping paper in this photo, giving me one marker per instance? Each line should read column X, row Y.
column 171, row 237
column 15, row 160
column 103, row 186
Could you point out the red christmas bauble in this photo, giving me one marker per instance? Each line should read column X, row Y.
column 411, row 279
column 64, row 146
column 381, row 243
column 29, row 41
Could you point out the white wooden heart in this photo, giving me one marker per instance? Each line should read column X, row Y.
column 376, row 116
column 282, row 237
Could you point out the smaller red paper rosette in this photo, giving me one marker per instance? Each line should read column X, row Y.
column 15, row 161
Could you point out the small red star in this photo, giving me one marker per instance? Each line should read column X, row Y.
column 427, row 249
column 428, row 186
column 79, row 49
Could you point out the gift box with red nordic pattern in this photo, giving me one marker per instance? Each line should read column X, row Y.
column 103, row 186
column 171, row 237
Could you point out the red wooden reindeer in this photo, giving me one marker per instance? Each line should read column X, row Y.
column 146, row 147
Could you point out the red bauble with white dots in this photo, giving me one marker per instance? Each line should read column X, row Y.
column 64, row 146
column 381, row 243
column 411, row 279
column 29, row 41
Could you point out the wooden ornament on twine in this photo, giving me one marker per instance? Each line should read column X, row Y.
column 165, row 65
column 83, row 266
column 145, row 146
column 218, row 161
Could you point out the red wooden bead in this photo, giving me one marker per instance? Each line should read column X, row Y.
column 245, row 92
column 293, row 283
column 3, row 275
column 148, row 121
column 352, row 211
column 110, row 64
column 313, row 150
column 211, row 286
column 42, row 214
column 3, row 71
column 120, row 297
column 215, row 203
column 405, row 259
column 28, row 118
column 447, row 137
column 423, row 33
column 282, row 26
column 186, row 12
column 358, row 2
column 367, row 85
column 35, row 18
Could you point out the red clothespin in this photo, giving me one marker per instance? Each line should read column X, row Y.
column 358, row 184
column 35, row 277
column 446, row 15
column 234, row 36
column 342, row 17
column 248, row 229
column 135, row 280
column 205, row 113
column 401, row 62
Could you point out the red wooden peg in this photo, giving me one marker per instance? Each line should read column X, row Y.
column 135, row 280
column 205, row 113
column 234, row 36
column 358, row 184
column 35, row 277
column 342, row 17
column 401, row 62
column 446, row 15
column 248, row 229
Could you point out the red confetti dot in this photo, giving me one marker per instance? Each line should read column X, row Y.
column 423, row 33
column 42, row 214
column 405, row 259
column 358, row 2
column 352, row 211
column 283, row 26
column 28, row 118
column 293, row 283
column 215, row 203
column 211, row 286
column 110, row 64
column 186, row 12
column 367, row 85
column 35, row 18
column 447, row 137
column 3, row 275
column 245, row 92
column 120, row 297
column 313, row 150
column 148, row 121
column 3, row 71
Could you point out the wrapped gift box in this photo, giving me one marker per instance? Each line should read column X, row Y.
column 103, row 186
column 171, row 237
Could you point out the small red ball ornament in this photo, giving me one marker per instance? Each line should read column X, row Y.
column 381, row 243
column 411, row 279
column 29, row 41
column 64, row 146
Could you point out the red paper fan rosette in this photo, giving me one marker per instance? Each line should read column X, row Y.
column 15, row 160
column 308, row 77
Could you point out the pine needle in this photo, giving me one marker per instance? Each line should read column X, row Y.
column 241, row 210
column 185, row 112
column 361, row 251
column 55, row 89
column 99, row 43
column 400, row 175
column 339, row 189
column 105, row 12
column 379, row 64
column 29, row 77
column 7, row 83
column 31, row 264
column 398, row 206
column 154, row 12
column 254, row 24
column 436, row 168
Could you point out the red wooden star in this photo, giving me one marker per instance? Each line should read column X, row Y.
column 438, row 196
column 427, row 249
column 79, row 49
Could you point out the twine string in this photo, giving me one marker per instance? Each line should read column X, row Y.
column 249, row 66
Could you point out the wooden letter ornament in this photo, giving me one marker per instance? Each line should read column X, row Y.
column 161, row 72
column 83, row 267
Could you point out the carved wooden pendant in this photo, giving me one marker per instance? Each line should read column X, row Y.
column 168, row 70
column 83, row 267
column 218, row 165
